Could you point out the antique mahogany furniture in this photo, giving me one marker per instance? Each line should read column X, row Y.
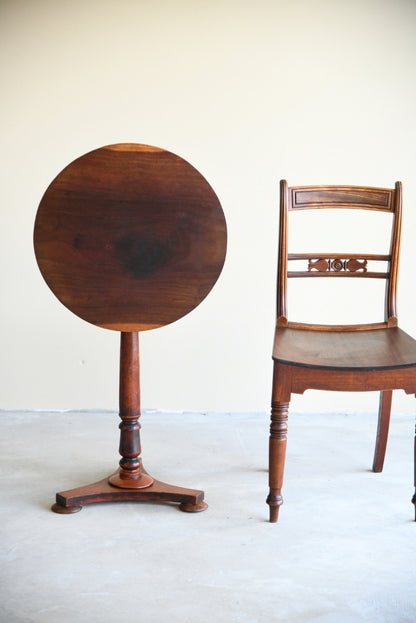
column 130, row 238
column 363, row 357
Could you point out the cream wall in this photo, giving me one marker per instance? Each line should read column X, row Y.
column 316, row 91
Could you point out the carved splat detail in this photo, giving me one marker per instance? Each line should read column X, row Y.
column 354, row 265
column 321, row 265
column 337, row 265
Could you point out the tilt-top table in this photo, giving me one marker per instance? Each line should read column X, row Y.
column 130, row 237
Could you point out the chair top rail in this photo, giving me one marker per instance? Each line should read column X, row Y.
column 352, row 197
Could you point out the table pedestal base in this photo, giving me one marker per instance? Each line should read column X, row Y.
column 72, row 501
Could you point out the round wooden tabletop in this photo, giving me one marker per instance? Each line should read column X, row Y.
column 130, row 237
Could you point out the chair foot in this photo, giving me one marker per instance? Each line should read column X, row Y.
column 414, row 502
column 275, row 502
column 274, row 514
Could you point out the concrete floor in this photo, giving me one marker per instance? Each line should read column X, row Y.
column 342, row 552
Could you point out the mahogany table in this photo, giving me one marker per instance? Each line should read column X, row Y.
column 130, row 237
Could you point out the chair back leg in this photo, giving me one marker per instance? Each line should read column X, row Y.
column 384, row 411
column 414, row 468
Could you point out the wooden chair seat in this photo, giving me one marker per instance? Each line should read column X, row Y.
column 372, row 349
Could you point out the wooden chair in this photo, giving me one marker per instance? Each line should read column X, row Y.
column 130, row 237
column 365, row 357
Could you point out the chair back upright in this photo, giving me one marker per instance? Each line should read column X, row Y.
column 343, row 265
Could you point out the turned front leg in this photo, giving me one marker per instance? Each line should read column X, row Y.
column 277, row 455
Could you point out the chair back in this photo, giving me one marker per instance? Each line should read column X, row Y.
column 342, row 265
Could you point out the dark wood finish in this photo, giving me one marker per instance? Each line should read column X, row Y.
column 331, row 273
column 342, row 256
column 365, row 350
column 365, row 357
column 384, row 411
column 337, row 265
column 102, row 491
column 350, row 197
column 282, row 265
column 357, row 197
column 130, row 474
column 130, row 237
column 351, row 380
column 414, row 478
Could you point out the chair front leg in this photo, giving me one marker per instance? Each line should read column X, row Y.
column 277, row 455
column 382, row 430
column 278, row 436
